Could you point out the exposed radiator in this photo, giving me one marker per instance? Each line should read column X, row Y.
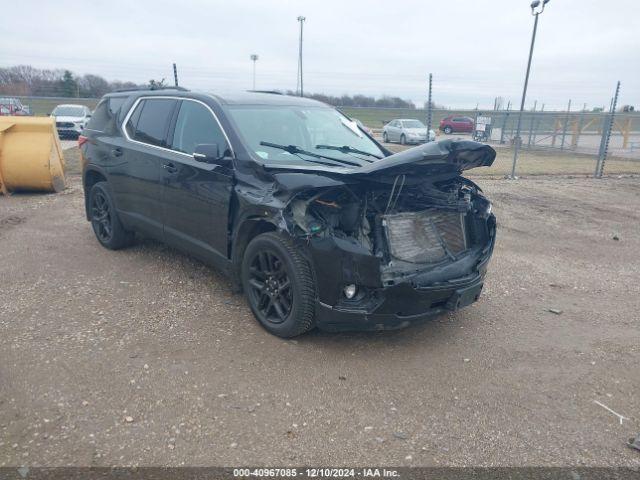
column 425, row 237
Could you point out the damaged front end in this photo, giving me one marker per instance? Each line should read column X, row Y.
column 406, row 240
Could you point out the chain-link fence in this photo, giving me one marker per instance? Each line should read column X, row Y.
column 552, row 142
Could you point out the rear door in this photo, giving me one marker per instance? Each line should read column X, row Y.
column 197, row 194
column 137, row 181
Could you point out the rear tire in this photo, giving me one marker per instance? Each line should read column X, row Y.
column 447, row 130
column 104, row 219
column 279, row 285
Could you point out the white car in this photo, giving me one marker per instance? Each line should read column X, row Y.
column 71, row 119
column 406, row 130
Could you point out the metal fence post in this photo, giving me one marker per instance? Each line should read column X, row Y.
column 566, row 123
column 533, row 116
column 505, row 117
column 429, row 108
column 605, row 147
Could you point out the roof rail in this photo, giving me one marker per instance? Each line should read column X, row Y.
column 142, row 89
column 273, row 92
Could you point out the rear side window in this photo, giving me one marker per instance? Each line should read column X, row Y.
column 196, row 125
column 150, row 120
column 104, row 116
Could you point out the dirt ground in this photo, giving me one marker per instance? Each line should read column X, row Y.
column 144, row 357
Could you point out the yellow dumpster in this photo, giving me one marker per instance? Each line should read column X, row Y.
column 30, row 155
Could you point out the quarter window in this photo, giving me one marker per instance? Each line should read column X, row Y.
column 196, row 125
column 150, row 120
column 105, row 115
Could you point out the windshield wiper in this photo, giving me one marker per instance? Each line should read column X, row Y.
column 295, row 150
column 347, row 149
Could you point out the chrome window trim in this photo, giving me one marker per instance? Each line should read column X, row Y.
column 168, row 97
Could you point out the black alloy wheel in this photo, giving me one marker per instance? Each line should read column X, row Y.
column 101, row 217
column 104, row 219
column 270, row 285
column 278, row 282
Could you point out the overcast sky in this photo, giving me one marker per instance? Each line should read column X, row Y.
column 476, row 49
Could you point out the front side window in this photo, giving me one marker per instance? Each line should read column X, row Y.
column 150, row 120
column 196, row 125
column 319, row 130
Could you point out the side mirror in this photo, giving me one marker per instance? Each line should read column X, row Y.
column 210, row 153
column 88, row 115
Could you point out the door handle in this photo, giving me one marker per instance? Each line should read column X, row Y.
column 170, row 167
column 116, row 152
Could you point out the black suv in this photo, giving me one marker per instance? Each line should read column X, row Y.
column 314, row 220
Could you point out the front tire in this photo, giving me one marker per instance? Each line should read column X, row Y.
column 385, row 137
column 403, row 140
column 104, row 219
column 279, row 285
column 448, row 130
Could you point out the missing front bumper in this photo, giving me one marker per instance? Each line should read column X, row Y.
column 402, row 306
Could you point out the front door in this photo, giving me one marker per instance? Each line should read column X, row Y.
column 394, row 131
column 196, row 194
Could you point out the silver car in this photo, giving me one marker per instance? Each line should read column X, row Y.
column 405, row 131
column 71, row 119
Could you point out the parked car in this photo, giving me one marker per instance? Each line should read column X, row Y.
column 363, row 127
column 457, row 124
column 406, row 131
column 13, row 106
column 71, row 119
column 317, row 223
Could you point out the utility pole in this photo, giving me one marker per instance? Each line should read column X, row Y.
column 175, row 75
column 254, row 59
column 535, row 4
column 429, row 108
column 301, row 19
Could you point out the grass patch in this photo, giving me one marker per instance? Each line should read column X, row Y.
column 44, row 106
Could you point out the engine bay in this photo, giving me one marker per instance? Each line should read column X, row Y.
column 411, row 224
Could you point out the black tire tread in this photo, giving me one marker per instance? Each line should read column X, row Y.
column 121, row 237
column 305, row 321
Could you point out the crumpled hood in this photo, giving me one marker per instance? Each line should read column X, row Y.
column 448, row 157
column 445, row 156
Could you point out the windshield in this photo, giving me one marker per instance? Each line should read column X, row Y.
column 68, row 111
column 412, row 124
column 308, row 128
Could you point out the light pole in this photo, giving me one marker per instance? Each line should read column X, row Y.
column 254, row 58
column 535, row 12
column 300, row 82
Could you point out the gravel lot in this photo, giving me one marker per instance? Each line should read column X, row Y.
column 144, row 357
